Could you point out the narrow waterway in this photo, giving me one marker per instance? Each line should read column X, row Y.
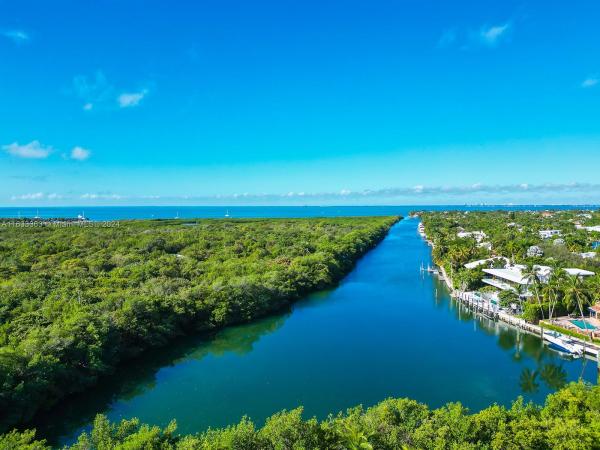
column 386, row 330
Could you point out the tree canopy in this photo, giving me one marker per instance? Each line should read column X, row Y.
column 569, row 420
column 77, row 301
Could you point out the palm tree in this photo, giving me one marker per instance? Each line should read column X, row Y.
column 593, row 286
column 531, row 275
column 576, row 293
column 551, row 291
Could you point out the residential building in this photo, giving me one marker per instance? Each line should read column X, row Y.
column 547, row 234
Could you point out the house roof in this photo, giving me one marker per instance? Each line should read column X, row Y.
column 513, row 274
column 595, row 308
column 480, row 262
column 579, row 272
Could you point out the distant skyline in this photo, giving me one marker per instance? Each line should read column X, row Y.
column 147, row 102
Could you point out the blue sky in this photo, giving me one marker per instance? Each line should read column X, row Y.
column 299, row 102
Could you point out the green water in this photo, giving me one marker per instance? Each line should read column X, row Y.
column 386, row 330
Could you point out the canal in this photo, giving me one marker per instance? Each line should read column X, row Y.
column 386, row 331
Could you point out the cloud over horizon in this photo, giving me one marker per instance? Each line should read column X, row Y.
column 417, row 192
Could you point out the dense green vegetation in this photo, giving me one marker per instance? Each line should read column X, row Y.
column 511, row 234
column 76, row 301
column 570, row 420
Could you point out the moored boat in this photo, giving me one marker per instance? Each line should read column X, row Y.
column 564, row 344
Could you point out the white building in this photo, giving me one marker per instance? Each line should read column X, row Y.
column 487, row 261
column 479, row 236
column 594, row 228
column 547, row 234
column 511, row 277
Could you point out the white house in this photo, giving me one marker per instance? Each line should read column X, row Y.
column 477, row 235
column 488, row 261
column 547, row 234
column 511, row 277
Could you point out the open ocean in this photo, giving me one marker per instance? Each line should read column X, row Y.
column 104, row 213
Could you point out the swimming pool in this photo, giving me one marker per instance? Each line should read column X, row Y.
column 583, row 324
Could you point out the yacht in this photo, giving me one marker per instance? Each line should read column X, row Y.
column 564, row 343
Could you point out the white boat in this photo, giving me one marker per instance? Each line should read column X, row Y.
column 227, row 213
column 421, row 230
column 564, row 343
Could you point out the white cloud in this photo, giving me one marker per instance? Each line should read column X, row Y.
column 130, row 99
column 590, row 82
column 80, row 153
column 33, row 196
column 17, row 36
column 90, row 196
column 491, row 36
column 88, row 106
column 33, row 150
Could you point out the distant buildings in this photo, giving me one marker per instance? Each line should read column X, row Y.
column 594, row 228
column 486, row 245
column 479, row 236
column 587, row 255
column 547, row 234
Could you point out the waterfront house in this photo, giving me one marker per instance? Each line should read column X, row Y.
column 488, row 262
column 504, row 279
column 511, row 277
column 547, row 234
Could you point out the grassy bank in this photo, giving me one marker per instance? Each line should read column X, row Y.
column 570, row 419
column 76, row 302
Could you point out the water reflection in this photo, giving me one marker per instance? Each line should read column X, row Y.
column 140, row 375
column 521, row 345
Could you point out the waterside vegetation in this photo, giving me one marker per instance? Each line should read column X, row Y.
column 529, row 240
column 570, row 419
column 77, row 301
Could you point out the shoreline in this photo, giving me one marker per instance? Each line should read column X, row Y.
column 515, row 322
